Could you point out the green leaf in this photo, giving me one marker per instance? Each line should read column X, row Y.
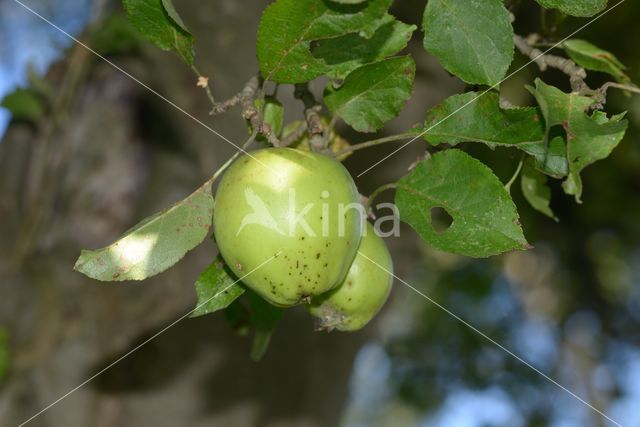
column 552, row 159
column 473, row 116
column 159, row 22
column 5, row 355
column 288, row 27
column 373, row 94
column 473, row 39
column 344, row 54
column 582, row 8
column 24, row 104
column 155, row 244
column 593, row 58
column 349, row 1
column 264, row 317
column 272, row 114
column 173, row 14
column 535, row 190
column 477, row 117
column 485, row 220
column 589, row 138
column 216, row 288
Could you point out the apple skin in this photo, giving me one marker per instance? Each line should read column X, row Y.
column 364, row 291
column 306, row 261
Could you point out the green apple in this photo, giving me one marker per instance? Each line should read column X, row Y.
column 364, row 291
column 288, row 223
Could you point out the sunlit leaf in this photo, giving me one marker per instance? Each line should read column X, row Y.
column 485, row 220
column 155, row 244
column 373, row 94
column 589, row 137
column 216, row 288
column 473, row 39
column 159, row 22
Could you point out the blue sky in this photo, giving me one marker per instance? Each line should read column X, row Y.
column 25, row 39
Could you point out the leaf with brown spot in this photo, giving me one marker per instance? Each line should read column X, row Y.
column 153, row 245
column 589, row 137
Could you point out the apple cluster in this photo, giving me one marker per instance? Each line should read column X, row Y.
column 286, row 222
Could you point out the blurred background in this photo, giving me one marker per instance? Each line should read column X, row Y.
column 86, row 153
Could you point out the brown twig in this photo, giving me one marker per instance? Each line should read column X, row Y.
column 577, row 74
column 224, row 106
column 251, row 92
column 248, row 92
column 312, row 115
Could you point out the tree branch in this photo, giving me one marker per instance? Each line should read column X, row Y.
column 252, row 114
column 312, row 115
column 224, row 106
column 247, row 100
column 577, row 74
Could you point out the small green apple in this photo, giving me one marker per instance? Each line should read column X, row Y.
column 362, row 293
column 300, row 208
